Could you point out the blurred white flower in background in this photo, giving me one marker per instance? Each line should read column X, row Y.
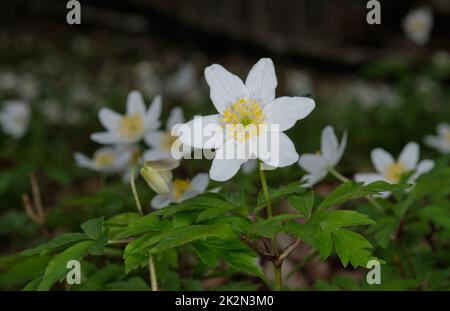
column 246, row 115
column 298, row 83
column 147, row 78
column 181, row 190
column 369, row 95
column 105, row 160
column 418, row 24
column 441, row 58
column 28, row 87
column 182, row 81
column 391, row 170
column 318, row 165
column 81, row 94
column 8, row 81
column 15, row 118
column 131, row 127
column 161, row 142
column 441, row 141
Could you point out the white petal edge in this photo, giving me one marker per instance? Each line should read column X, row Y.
column 200, row 182
column 135, row 103
column 261, row 81
column 225, row 87
column 109, row 119
column 381, row 159
column 160, row 201
column 410, row 155
column 312, row 163
column 202, row 132
column 286, row 111
column 285, row 155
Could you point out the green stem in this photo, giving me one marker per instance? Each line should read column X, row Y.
column 151, row 264
column 153, row 281
column 276, row 264
column 408, row 259
column 134, row 191
column 344, row 179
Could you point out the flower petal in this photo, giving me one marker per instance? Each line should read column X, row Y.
column 285, row 111
column 312, row 179
column 329, row 144
column 155, row 154
column 422, row 168
column 109, row 119
column 225, row 164
column 153, row 139
column 84, row 161
column 108, row 138
column 249, row 166
column 282, row 155
column 341, row 150
column 202, row 132
column 381, row 159
column 225, row 87
column 200, row 182
column 176, row 117
column 153, row 114
column 160, row 200
column 135, row 104
column 261, row 81
column 368, row 178
column 410, row 155
column 443, row 128
column 313, row 163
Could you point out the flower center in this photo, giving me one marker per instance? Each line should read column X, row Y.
column 395, row 171
column 167, row 141
column 131, row 126
column 418, row 26
column 243, row 119
column 104, row 159
column 447, row 136
column 180, row 186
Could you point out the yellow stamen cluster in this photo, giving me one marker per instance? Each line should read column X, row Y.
column 395, row 171
column 180, row 186
column 167, row 141
column 243, row 119
column 104, row 159
column 131, row 126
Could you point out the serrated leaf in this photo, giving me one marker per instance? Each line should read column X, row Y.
column 353, row 190
column 268, row 227
column 56, row 243
column 206, row 255
column 351, row 246
column 56, row 269
column 146, row 224
column 304, row 203
column 93, row 228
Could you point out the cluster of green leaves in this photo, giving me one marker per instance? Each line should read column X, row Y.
column 210, row 226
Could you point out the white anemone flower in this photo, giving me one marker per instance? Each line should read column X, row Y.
column 131, row 127
column 163, row 142
column 441, row 141
column 318, row 165
column 106, row 160
column 391, row 170
column 250, row 120
column 15, row 118
column 181, row 190
column 418, row 25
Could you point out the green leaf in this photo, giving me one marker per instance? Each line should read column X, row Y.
column 23, row 271
column 206, row 255
column 146, row 224
column 351, row 246
column 56, row 269
column 236, row 253
column 268, row 227
column 304, row 203
column 353, row 190
column 93, row 228
column 131, row 284
column 215, row 212
column 325, row 228
column 438, row 214
column 184, row 235
column 281, row 192
column 53, row 245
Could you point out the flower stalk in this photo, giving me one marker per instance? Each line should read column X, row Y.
column 277, row 263
column 151, row 264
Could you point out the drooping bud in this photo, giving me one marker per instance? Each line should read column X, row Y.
column 158, row 174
